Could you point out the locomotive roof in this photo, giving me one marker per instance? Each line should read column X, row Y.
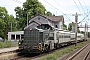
column 64, row 32
column 60, row 29
column 51, row 18
column 72, row 33
column 79, row 34
column 40, row 30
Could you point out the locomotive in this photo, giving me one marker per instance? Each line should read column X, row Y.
column 41, row 40
column 35, row 41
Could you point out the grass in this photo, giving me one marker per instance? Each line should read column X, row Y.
column 7, row 44
column 1, row 45
column 14, row 43
column 49, row 57
column 60, row 53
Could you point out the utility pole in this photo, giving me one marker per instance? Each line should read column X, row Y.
column 27, row 19
column 76, row 20
column 85, row 33
column 11, row 25
column 76, row 26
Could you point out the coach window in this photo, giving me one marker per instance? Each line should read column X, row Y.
column 51, row 36
column 57, row 35
column 60, row 36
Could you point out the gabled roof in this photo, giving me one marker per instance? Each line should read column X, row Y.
column 38, row 22
column 51, row 18
column 55, row 18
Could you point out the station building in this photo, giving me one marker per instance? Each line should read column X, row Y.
column 15, row 36
column 38, row 21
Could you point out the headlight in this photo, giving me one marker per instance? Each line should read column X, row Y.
column 39, row 43
column 19, row 43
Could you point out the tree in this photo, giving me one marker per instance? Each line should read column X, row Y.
column 5, row 20
column 32, row 6
column 20, row 17
column 82, row 32
column 48, row 13
column 2, row 26
column 70, row 27
column 12, row 23
column 89, row 34
column 64, row 27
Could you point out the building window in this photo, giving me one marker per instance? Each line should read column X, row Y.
column 22, row 36
column 17, row 37
column 38, row 18
column 56, row 26
column 12, row 37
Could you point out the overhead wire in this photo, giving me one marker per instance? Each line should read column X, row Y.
column 49, row 4
column 18, row 1
column 81, row 6
column 58, row 10
column 86, row 8
column 80, row 11
column 61, row 6
column 84, row 18
column 87, row 14
column 46, row 2
column 77, row 6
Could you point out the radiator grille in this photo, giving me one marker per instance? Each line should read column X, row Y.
column 31, row 37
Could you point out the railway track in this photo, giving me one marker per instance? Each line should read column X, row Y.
column 87, row 56
column 82, row 54
column 36, row 56
column 28, row 56
column 7, row 55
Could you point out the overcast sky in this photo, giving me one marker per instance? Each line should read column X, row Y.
column 57, row 7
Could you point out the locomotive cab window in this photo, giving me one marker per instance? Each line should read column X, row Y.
column 51, row 36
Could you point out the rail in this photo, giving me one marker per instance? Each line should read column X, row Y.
column 70, row 58
column 85, row 58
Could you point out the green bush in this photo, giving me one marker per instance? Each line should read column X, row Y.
column 14, row 43
column 1, row 45
column 7, row 44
